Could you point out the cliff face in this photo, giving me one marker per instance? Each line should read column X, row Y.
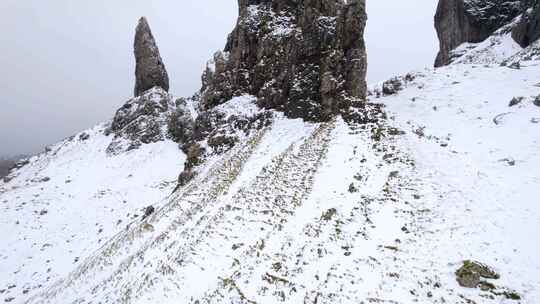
column 150, row 70
column 459, row 21
column 306, row 58
column 141, row 120
column 527, row 29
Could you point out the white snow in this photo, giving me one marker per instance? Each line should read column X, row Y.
column 240, row 106
column 493, row 50
column 485, row 206
column 90, row 197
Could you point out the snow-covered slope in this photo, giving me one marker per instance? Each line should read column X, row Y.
column 493, row 50
column 383, row 212
column 478, row 159
column 68, row 201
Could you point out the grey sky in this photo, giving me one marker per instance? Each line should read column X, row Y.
column 67, row 65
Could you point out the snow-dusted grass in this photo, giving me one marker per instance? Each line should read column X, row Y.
column 69, row 201
column 482, row 177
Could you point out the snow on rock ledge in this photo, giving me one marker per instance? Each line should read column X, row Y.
column 141, row 120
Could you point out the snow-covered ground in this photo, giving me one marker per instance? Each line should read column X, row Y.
column 70, row 200
column 478, row 160
column 493, row 50
column 296, row 212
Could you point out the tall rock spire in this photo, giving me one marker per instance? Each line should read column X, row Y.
column 150, row 70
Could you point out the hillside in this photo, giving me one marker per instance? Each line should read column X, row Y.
column 329, row 211
column 423, row 191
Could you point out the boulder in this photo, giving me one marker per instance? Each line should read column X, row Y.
column 185, row 177
column 148, row 211
column 536, row 101
column 470, row 273
column 516, row 100
column 392, row 86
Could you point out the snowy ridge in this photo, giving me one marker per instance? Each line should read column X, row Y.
column 121, row 254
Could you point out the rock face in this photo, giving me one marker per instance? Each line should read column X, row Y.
column 216, row 131
column 306, row 58
column 150, row 70
column 527, row 29
column 459, row 21
column 5, row 166
column 141, row 120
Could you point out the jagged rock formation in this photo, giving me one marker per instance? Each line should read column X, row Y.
column 150, row 70
column 527, row 29
column 145, row 118
column 306, row 58
column 215, row 131
column 154, row 115
column 486, row 31
column 459, row 21
column 141, row 120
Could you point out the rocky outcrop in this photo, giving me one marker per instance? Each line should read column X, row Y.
column 145, row 118
column 5, row 166
column 141, row 120
column 460, row 21
column 527, row 30
column 306, row 58
column 217, row 130
column 150, row 70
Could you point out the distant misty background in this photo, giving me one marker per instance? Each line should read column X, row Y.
column 67, row 65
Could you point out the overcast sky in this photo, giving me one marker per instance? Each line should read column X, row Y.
column 66, row 65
